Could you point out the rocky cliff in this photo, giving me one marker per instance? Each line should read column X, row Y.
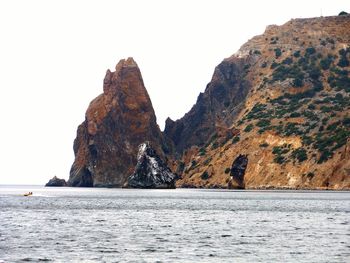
column 275, row 115
column 116, row 123
column 282, row 102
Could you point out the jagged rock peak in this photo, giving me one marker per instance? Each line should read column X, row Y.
column 125, row 69
column 116, row 122
column 125, row 63
column 151, row 171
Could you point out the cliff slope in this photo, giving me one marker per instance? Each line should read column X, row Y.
column 275, row 115
column 218, row 106
column 116, row 123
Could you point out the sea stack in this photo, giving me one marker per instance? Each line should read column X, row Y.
column 55, row 181
column 116, row 123
column 151, row 171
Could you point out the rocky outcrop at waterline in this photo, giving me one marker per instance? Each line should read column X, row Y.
column 55, row 181
column 151, row 171
column 237, row 172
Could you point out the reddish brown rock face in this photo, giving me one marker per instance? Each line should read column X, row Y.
column 116, row 123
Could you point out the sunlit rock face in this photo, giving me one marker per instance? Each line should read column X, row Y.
column 151, row 171
column 116, row 123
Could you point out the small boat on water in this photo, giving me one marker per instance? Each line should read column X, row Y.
column 28, row 194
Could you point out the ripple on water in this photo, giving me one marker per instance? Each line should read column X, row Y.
column 108, row 225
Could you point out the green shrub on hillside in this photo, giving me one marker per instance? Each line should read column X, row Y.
column 278, row 52
column 310, row 51
column 279, row 159
column 326, row 62
column 248, row 128
column 274, row 65
column 292, row 129
column 257, row 112
column 314, row 72
column 343, row 62
column 295, row 115
column 287, row 61
column 299, row 154
column 264, row 145
column 205, row 176
column 279, row 152
column 298, row 82
column 296, row 54
column 263, row 123
column 235, row 139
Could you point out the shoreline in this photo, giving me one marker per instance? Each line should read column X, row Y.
column 249, row 189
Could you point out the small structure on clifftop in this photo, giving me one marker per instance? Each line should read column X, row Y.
column 151, row 171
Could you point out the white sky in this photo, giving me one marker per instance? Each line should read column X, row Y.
column 54, row 55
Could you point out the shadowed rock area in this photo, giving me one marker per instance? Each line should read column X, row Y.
column 151, row 171
column 217, row 107
column 238, row 168
column 116, row 123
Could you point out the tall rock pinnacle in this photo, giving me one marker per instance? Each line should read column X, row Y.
column 116, row 123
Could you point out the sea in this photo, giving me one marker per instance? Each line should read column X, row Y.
column 178, row 225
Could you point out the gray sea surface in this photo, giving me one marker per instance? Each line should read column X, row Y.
column 182, row 225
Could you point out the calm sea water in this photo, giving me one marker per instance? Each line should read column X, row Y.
column 183, row 225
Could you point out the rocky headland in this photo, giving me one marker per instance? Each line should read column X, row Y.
column 275, row 115
column 291, row 121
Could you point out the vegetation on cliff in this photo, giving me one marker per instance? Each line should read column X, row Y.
column 294, row 123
